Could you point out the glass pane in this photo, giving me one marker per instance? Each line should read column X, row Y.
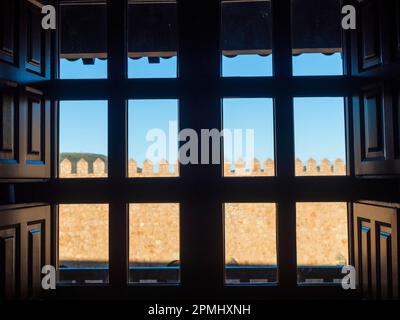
column 248, row 135
column 83, row 139
column 322, row 242
column 154, row 243
column 320, row 136
column 83, row 44
column 246, row 38
column 317, row 44
column 250, row 243
column 83, row 243
column 153, row 138
column 152, row 39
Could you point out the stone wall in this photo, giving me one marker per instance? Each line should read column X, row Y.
column 83, row 234
column 250, row 229
column 163, row 169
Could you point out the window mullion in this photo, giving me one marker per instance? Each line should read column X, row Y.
column 200, row 108
column 284, row 141
column 117, row 140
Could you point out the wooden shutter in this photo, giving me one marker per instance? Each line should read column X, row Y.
column 375, row 57
column 25, row 62
column 376, row 244
column 24, row 249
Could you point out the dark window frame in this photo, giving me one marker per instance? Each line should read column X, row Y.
column 202, row 190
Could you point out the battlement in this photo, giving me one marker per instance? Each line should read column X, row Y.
column 248, row 243
column 98, row 168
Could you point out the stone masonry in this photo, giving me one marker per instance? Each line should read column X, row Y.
column 250, row 228
column 239, row 168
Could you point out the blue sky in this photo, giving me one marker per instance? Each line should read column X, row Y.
column 319, row 122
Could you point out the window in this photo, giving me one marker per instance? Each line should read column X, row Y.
column 248, row 137
column 83, row 243
column 246, row 39
column 244, row 211
column 154, row 243
column 152, row 45
column 153, row 138
column 250, row 243
column 83, row 139
column 322, row 242
column 83, row 41
column 320, row 136
column 317, row 43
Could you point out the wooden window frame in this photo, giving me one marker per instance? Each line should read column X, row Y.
column 202, row 190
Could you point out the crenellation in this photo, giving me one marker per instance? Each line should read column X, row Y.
column 132, row 168
column 311, row 168
column 148, row 168
column 240, row 168
column 256, row 167
column 99, row 168
column 269, row 168
column 163, row 168
column 299, row 167
column 339, row 168
column 65, row 168
column 82, row 167
column 326, row 167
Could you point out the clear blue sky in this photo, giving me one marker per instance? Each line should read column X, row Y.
column 319, row 122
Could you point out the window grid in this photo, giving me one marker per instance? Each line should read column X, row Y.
column 202, row 190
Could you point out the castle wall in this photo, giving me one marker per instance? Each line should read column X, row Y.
column 237, row 169
column 250, row 229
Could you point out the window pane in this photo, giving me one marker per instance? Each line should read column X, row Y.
column 152, row 43
column 83, row 41
column 246, row 38
column 320, row 136
column 83, row 139
column 83, row 243
column 248, row 137
column 322, row 241
column 317, row 45
column 154, row 243
column 250, row 243
column 153, row 138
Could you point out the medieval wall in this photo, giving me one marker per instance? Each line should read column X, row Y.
column 250, row 229
column 163, row 169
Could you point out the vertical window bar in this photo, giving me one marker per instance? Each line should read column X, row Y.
column 117, row 141
column 284, row 140
column 202, row 259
